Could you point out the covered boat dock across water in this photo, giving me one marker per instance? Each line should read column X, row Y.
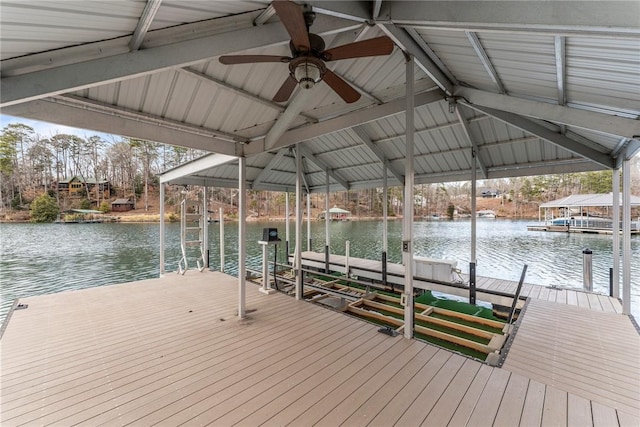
column 571, row 214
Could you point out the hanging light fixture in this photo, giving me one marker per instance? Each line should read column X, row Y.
column 307, row 71
column 307, row 74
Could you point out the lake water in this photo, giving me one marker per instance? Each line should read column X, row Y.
column 37, row 259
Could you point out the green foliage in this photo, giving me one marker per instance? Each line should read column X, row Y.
column 12, row 135
column 44, row 209
column 596, row 182
column 138, row 185
column 16, row 202
column 104, row 207
column 85, row 204
column 450, row 211
column 7, row 154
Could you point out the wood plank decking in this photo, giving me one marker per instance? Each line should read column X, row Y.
column 590, row 353
column 171, row 350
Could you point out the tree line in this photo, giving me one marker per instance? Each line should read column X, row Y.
column 32, row 164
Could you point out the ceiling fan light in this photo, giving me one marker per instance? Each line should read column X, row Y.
column 307, row 74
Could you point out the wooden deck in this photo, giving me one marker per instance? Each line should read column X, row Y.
column 171, row 350
column 556, row 293
column 592, row 354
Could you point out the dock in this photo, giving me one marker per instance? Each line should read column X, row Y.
column 171, row 350
column 635, row 230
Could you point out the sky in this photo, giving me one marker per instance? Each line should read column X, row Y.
column 47, row 130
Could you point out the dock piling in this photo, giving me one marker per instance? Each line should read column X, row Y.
column 587, row 270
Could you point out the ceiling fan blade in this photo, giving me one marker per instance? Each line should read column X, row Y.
column 291, row 17
column 371, row 47
column 341, row 87
column 285, row 91
column 249, row 59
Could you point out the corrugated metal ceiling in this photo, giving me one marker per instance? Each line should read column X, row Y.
column 588, row 68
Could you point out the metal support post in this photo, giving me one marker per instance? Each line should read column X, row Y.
column 221, row 240
column 205, row 227
column 407, row 220
column 242, row 226
column 384, row 270
column 615, row 224
column 326, row 259
column 327, row 235
column 347, row 250
column 298, row 250
column 626, row 236
column 472, row 283
column 266, row 285
column 309, row 221
column 286, row 225
column 162, row 229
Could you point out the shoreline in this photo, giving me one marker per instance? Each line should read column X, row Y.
column 155, row 218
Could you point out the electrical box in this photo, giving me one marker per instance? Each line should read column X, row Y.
column 270, row 235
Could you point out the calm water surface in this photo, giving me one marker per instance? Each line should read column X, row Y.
column 37, row 259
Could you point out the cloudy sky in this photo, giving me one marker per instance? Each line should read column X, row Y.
column 47, row 130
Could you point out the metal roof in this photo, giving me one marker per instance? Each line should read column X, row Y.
column 537, row 87
column 588, row 200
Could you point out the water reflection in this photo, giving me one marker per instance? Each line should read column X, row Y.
column 44, row 258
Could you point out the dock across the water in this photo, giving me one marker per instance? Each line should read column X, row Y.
column 588, row 225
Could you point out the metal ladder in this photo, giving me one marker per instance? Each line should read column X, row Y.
column 191, row 234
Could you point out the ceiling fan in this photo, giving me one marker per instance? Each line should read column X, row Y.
column 308, row 55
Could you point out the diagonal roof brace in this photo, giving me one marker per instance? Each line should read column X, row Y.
column 484, row 58
column 102, row 70
column 533, row 128
column 345, row 121
column 144, row 23
column 627, row 151
column 297, row 153
column 269, row 167
column 599, row 122
column 366, row 140
column 238, row 91
column 312, row 158
column 475, row 154
column 408, row 44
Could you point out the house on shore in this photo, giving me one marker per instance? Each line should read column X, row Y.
column 79, row 187
column 122, row 205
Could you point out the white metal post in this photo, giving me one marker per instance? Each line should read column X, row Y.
column 615, row 229
column 626, row 236
column 326, row 211
column 385, row 200
column 286, row 224
column 242, row 224
column 220, row 216
column 473, row 204
column 407, row 220
column 298, row 251
column 309, row 222
column 205, row 227
column 347, row 251
column 162, row 229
